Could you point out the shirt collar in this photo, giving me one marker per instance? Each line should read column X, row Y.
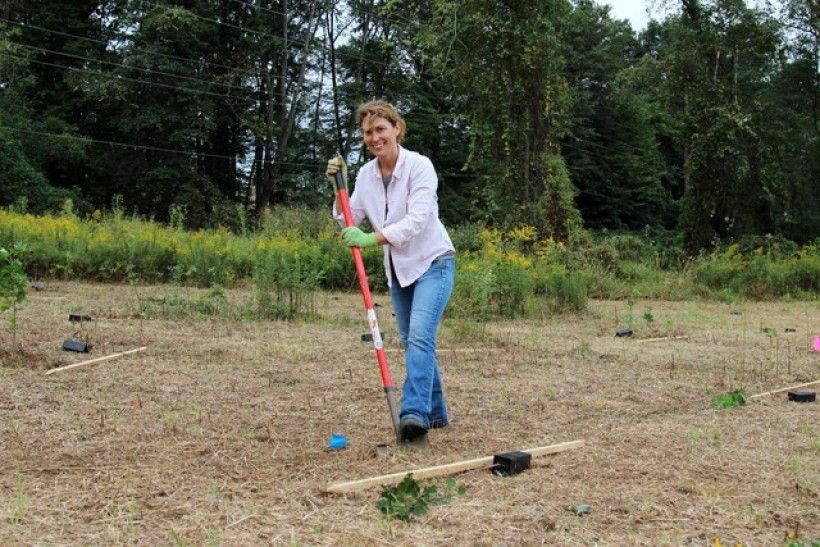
column 398, row 169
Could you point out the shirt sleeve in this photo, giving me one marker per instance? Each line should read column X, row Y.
column 421, row 204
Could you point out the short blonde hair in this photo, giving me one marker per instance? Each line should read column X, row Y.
column 382, row 109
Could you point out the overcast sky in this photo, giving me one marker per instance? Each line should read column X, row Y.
column 634, row 10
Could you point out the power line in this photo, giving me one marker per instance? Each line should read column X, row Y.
column 145, row 147
column 147, row 70
column 107, row 42
column 133, row 146
column 117, row 76
column 415, row 116
column 260, row 8
column 623, row 144
column 434, row 117
column 387, row 18
column 217, row 21
column 266, row 34
column 441, row 118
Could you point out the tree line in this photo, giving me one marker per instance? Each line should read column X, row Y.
column 549, row 113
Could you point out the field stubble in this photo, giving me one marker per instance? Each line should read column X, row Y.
column 217, row 433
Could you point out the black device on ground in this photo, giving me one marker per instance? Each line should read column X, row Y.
column 511, row 463
column 77, row 318
column 75, row 345
column 802, row 396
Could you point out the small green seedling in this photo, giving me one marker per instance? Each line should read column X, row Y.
column 13, row 283
column 408, row 499
column 730, row 399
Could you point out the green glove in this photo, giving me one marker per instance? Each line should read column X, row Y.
column 357, row 238
column 336, row 165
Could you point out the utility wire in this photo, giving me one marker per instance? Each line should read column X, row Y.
column 145, row 147
column 108, row 42
column 441, row 118
column 117, row 77
column 269, row 35
column 392, row 18
column 433, row 117
column 130, row 67
column 623, row 144
column 133, row 146
column 414, row 116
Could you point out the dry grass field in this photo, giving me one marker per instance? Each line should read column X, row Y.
column 217, row 433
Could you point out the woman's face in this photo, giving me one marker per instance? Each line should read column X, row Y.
column 380, row 136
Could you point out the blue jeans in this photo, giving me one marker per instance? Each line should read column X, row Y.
column 419, row 308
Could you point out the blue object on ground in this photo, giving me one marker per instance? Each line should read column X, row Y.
column 337, row 441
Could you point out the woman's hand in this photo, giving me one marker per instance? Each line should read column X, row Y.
column 354, row 237
column 336, row 165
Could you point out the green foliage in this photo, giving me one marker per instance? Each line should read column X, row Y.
column 408, row 499
column 557, row 216
column 511, row 274
column 286, row 277
column 466, row 237
column 13, row 283
column 613, row 149
column 13, row 279
column 504, row 61
column 706, row 123
column 566, row 289
column 760, row 275
column 730, row 399
column 176, row 305
column 487, row 287
column 798, row 543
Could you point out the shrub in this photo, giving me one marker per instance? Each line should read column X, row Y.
column 467, row 237
column 286, row 274
column 761, row 275
column 12, row 279
column 566, row 291
column 474, row 287
column 487, row 286
column 12, row 284
column 295, row 221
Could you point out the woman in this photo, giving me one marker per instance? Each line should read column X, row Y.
column 396, row 192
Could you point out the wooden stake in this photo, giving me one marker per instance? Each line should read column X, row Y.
column 455, row 350
column 782, row 389
column 97, row 360
column 442, row 470
column 662, row 338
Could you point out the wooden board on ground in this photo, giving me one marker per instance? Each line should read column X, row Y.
column 442, row 470
column 96, row 360
column 782, row 389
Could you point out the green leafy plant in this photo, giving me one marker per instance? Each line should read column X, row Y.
column 21, row 501
column 730, row 399
column 178, row 541
column 408, row 499
column 798, row 543
column 13, row 282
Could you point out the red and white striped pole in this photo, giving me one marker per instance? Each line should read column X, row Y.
column 372, row 322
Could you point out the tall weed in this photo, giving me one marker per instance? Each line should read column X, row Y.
column 286, row 274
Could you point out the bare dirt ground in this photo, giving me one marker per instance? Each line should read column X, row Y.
column 217, row 433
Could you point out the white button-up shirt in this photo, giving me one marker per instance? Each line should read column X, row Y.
column 406, row 214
